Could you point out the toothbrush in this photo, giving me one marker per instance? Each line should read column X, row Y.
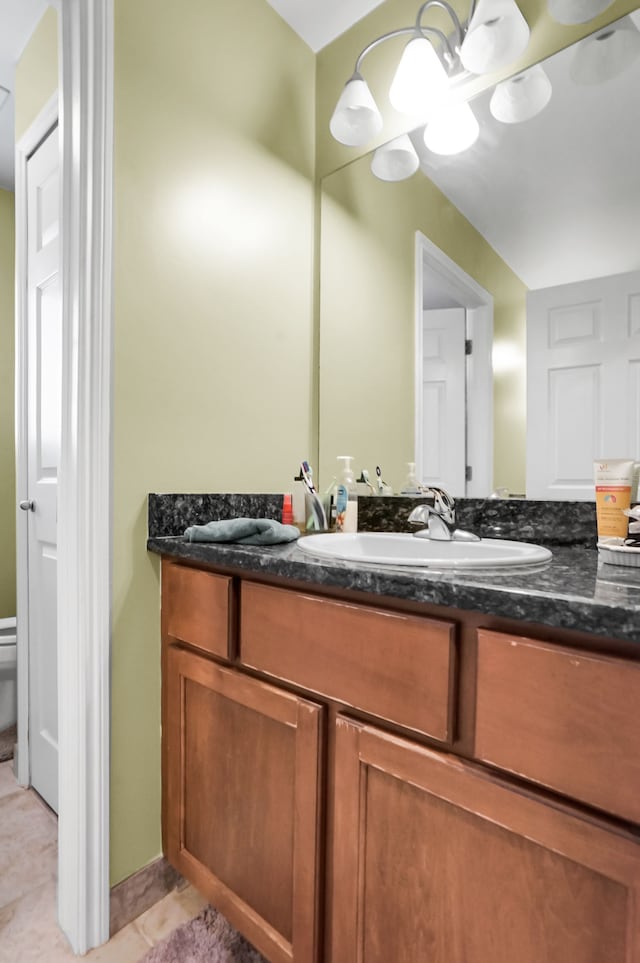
column 305, row 471
column 317, row 508
column 364, row 477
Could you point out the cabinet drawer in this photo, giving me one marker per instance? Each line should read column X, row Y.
column 397, row 667
column 197, row 607
column 563, row 718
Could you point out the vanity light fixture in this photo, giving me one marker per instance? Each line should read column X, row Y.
column 395, row 161
column 577, row 11
column 606, row 54
column 521, row 97
column 494, row 35
column 453, row 129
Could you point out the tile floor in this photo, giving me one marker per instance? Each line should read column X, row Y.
column 28, row 930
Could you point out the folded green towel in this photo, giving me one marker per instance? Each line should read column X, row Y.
column 246, row 531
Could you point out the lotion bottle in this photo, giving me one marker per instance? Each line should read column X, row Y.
column 346, row 496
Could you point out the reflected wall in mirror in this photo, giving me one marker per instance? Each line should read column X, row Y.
column 552, row 201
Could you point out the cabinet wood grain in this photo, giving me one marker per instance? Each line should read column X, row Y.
column 198, row 607
column 243, row 793
column 434, row 860
column 399, row 667
column 566, row 719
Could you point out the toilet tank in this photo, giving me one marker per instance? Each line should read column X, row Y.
column 7, row 631
column 8, row 665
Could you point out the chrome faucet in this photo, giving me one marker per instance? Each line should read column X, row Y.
column 440, row 519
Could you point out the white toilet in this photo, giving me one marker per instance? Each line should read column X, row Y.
column 8, row 665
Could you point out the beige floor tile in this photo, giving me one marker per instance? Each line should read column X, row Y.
column 8, row 782
column 28, row 845
column 127, row 946
column 164, row 917
column 191, row 899
column 29, row 932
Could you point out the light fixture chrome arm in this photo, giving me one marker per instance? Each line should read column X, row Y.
column 418, row 30
column 457, row 26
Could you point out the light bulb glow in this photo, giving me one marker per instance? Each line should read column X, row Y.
column 453, row 130
column 356, row 118
column 420, row 79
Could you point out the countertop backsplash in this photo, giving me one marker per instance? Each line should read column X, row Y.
column 521, row 519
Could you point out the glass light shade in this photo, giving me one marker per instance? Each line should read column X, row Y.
column 496, row 36
column 521, row 97
column 420, row 79
column 576, row 11
column 606, row 54
column 356, row 118
column 396, row 160
column 453, row 130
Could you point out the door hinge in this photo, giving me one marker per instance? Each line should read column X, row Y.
column 468, row 473
column 468, row 346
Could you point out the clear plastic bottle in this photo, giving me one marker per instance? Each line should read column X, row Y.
column 411, row 484
column 346, row 498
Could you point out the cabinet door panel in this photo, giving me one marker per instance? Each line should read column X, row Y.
column 243, row 801
column 434, row 860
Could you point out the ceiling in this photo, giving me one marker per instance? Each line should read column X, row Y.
column 558, row 196
column 319, row 22
column 18, row 19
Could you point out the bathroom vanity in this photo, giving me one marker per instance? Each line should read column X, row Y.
column 362, row 764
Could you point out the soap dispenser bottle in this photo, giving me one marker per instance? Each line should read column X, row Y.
column 346, row 496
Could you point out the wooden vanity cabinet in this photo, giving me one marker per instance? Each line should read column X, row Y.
column 434, row 860
column 350, row 783
column 242, row 804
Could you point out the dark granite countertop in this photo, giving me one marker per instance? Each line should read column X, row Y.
column 574, row 590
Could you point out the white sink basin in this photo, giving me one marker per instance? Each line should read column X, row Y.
column 385, row 548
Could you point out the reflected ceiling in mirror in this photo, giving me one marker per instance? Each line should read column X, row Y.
column 553, row 199
column 558, row 195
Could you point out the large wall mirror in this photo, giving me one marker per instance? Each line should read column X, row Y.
column 532, row 206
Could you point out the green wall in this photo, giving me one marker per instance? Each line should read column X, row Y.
column 213, row 298
column 367, row 329
column 7, row 444
column 37, row 71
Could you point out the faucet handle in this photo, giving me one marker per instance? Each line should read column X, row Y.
column 444, row 503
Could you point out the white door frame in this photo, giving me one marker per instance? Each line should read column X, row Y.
column 479, row 305
column 84, row 107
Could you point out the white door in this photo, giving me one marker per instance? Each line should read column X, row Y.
column 44, row 382
column 583, row 382
column 444, row 399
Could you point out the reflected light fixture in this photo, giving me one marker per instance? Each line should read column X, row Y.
column 396, row 160
column 494, row 35
column 577, row 11
column 521, row 97
column 606, row 54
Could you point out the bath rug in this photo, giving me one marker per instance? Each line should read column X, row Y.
column 208, row 938
column 7, row 740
